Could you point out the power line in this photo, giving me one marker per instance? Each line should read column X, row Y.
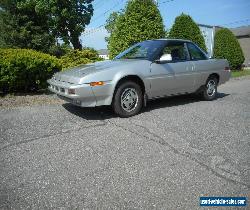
column 93, row 30
column 95, row 3
column 168, row 1
column 236, row 22
column 107, row 11
column 101, row 27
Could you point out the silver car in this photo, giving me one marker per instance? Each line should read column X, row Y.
column 147, row 70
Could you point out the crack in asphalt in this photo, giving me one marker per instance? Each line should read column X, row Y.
column 185, row 154
column 50, row 135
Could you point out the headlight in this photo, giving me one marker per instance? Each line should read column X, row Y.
column 71, row 91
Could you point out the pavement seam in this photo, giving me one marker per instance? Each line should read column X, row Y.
column 185, row 154
column 50, row 135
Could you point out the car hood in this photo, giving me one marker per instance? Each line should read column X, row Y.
column 74, row 75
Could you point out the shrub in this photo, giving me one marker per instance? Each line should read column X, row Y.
column 227, row 46
column 25, row 70
column 185, row 28
column 59, row 50
column 77, row 57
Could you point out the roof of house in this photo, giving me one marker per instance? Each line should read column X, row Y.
column 103, row 52
column 241, row 31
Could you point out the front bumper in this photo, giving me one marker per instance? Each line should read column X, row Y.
column 85, row 95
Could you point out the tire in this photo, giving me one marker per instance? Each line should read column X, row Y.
column 128, row 99
column 209, row 92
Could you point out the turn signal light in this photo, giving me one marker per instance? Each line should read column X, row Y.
column 96, row 83
column 227, row 68
column 72, row 91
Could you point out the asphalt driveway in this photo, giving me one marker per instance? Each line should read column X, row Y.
column 176, row 150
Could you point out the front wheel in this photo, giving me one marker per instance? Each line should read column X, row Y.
column 128, row 99
column 210, row 90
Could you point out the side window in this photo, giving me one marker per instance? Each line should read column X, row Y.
column 177, row 51
column 195, row 52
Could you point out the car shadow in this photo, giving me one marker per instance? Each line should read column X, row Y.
column 106, row 112
column 177, row 101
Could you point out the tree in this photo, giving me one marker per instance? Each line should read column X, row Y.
column 23, row 27
column 68, row 19
column 185, row 28
column 110, row 23
column 37, row 24
column 140, row 21
column 227, row 46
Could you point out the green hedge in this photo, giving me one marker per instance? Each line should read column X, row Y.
column 77, row 57
column 227, row 46
column 25, row 70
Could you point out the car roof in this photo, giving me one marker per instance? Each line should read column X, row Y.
column 166, row 39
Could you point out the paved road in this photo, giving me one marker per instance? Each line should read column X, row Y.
column 177, row 150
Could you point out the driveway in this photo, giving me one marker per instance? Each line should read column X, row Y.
column 178, row 149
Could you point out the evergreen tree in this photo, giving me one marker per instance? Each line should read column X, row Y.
column 140, row 21
column 227, row 46
column 185, row 28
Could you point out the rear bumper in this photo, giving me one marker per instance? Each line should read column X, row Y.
column 224, row 76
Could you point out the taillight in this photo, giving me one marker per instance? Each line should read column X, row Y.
column 227, row 68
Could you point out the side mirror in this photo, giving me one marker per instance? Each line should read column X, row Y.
column 164, row 58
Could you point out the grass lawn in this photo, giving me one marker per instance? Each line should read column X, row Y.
column 245, row 72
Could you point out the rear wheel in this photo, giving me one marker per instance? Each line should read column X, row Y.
column 210, row 90
column 128, row 99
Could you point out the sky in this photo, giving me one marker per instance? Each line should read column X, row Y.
column 227, row 13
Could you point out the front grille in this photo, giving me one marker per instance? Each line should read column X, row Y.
column 58, row 89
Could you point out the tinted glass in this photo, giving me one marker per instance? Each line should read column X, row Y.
column 177, row 50
column 195, row 52
column 143, row 50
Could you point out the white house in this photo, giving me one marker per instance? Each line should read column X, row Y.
column 103, row 53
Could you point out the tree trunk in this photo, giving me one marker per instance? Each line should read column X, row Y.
column 75, row 41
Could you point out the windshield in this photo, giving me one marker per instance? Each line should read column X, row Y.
column 144, row 50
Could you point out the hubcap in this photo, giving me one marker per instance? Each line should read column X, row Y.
column 211, row 87
column 129, row 99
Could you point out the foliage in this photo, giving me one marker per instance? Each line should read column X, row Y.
column 25, row 70
column 140, row 21
column 77, row 57
column 227, row 46
column 59, row 50
column 23, row 26
column 244, row 72
column 185, row 28
column 111, row 22
column 69, row 18
column 36, row 24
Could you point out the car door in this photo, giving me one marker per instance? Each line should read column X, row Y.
column 201, row 64
column 175, row 76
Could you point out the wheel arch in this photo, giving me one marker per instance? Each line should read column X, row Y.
column 214, row 75
column 133, row 78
